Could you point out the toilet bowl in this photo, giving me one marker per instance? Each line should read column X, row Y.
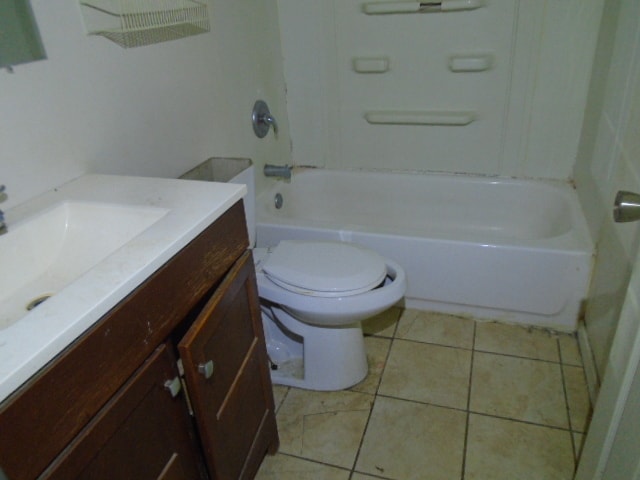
column 314, row 296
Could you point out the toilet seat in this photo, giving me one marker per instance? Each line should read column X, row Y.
column 324, row 269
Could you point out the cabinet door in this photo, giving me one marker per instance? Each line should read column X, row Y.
column 225, row 362
column 143, row 432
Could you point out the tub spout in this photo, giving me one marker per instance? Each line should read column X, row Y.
column 281, row 171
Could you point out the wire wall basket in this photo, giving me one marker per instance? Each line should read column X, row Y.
column 134, row 23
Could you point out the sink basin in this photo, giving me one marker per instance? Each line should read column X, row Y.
column 47, row 251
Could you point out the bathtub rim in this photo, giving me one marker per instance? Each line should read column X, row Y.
column 576, row 237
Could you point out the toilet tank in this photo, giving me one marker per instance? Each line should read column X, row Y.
column 231, row 170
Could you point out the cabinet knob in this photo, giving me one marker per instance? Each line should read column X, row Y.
column 173, row 386
column 206, row 369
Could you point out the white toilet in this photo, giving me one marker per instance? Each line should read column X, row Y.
column 313, row 296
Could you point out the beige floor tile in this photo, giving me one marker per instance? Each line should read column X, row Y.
column 431, row 327
column 423, row 360
column 569, row 350
column 408, row 440
column 279, row 394
column 383, row 324
column 427, row 373
column 377, row 351
column 323, row 426
column 518, row 388
column 500, row 449
column 516, row 340
column 577, row 397
column 285, row 467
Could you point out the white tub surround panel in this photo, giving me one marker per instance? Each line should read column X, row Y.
column 308, row 40
column 516, row 72
column 431, row 118
column 563, row 52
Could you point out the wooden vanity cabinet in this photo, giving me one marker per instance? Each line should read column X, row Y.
column 101, row 409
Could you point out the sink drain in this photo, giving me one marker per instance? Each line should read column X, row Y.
column 38, row 300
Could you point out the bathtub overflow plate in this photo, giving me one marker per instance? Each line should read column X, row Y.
column 278, row 201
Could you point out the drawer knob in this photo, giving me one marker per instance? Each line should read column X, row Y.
column 173, row 386
column 206, row 369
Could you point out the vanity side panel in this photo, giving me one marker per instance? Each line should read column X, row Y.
column 68, row 392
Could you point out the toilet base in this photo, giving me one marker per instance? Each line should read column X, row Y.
column 313, row 357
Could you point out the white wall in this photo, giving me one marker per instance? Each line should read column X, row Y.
column 529, row 105
column 156, row 111
column 608, row 161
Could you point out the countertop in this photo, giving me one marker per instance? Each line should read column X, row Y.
column 30, row 343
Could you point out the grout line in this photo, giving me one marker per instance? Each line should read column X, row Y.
column 559, row 351
column 318, row 462
column 566, row 403
column 284, row 397
column 473, row 350
column 432, row 343
column 367, row 474
column 466, row 427
column 556, row 362
column 526, row 422
column 420, row 402
column 520, row 357
column 375, row 396
column 476, row 412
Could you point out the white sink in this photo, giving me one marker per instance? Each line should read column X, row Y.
column 84, row 247
column 49, row 250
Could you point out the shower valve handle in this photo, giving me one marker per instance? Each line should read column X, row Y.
column 262, row 119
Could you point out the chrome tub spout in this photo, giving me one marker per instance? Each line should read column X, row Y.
column 280, row 171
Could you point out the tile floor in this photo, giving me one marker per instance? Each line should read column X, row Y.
column 446, row 398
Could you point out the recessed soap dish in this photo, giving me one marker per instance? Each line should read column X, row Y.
column 134, row 23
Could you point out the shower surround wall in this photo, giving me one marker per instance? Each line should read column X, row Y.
column 527, row 105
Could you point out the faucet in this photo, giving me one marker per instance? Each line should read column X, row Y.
column 281, row 171
column 3, row 226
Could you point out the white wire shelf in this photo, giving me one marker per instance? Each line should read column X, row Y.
column 134, row 23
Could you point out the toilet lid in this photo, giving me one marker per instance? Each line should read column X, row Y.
column 324, row 268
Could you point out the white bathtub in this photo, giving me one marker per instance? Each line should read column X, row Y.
column 511, row 250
